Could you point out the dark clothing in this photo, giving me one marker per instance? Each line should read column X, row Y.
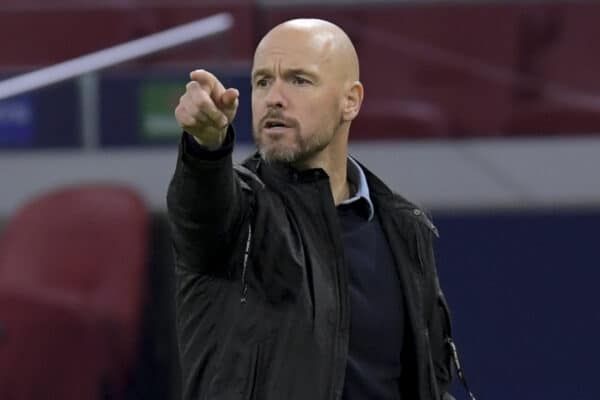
column 278, row 326
column 376, row 309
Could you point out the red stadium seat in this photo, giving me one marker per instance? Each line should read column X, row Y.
column 83, row 248
column 50, row 350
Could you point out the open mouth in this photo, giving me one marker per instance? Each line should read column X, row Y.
column 275, row 124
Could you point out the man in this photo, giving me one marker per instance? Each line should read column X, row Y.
column 300, row 275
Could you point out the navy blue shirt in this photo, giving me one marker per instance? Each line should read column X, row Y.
column 376, row 316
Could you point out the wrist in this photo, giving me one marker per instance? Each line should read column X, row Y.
column 214, row 142
column 198, row 149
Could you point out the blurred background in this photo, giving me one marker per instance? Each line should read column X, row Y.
column 485, row 112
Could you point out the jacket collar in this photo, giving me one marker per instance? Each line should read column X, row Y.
column 283, row 171
column 379, row 194
column 385, row 198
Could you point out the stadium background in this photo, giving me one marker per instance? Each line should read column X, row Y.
column 485, row 112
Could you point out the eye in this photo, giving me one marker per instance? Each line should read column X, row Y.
column 262, row 82
column 298, row 80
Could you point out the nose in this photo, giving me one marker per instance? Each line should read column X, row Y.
column 275, row 97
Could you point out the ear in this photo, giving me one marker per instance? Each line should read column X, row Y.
column 352, row 101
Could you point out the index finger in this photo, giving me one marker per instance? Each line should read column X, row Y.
column 208, row 82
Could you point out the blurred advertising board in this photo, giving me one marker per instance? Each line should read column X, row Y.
column 16, row 121
column 157, row 102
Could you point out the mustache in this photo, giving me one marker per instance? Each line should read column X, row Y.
column 278, row 115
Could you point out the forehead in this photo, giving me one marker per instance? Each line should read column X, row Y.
column 293, row 49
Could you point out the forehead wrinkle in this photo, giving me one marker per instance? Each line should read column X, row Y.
column 326, row 43
column 280, row 63
column 280, row 67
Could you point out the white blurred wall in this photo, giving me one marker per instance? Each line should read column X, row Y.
column 466, row 174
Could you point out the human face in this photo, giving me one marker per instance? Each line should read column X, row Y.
column 296, row 96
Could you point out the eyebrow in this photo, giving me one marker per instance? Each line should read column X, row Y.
column 291, row 71
column 301, row 71
column 260, row 72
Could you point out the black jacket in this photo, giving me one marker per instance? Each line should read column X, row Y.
column 262, row 294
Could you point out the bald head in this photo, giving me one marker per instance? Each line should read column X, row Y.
column 320, row 39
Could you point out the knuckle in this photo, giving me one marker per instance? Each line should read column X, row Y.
column 201, row 95
column 214, row 115
column 200, row 117
column 185, row 119
column 208, row 108
column 198, row 96
column 191, row 121
column 179, row 112
column 191, row 85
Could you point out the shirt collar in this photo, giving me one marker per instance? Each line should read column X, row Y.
column 357, row 177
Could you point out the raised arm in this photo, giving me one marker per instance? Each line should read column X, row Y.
column 204, row 200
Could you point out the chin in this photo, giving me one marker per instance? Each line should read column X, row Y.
column 274, row 154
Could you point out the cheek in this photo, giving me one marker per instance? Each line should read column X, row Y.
column 322, row 114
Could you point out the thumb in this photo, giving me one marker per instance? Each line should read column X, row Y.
column 229, row 101
column 229, row 97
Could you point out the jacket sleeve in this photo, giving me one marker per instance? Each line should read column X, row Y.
column 205, row 207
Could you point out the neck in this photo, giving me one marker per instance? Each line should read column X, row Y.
column 338, row 181
column 333, row 160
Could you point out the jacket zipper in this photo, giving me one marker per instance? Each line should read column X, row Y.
column 243, row 297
